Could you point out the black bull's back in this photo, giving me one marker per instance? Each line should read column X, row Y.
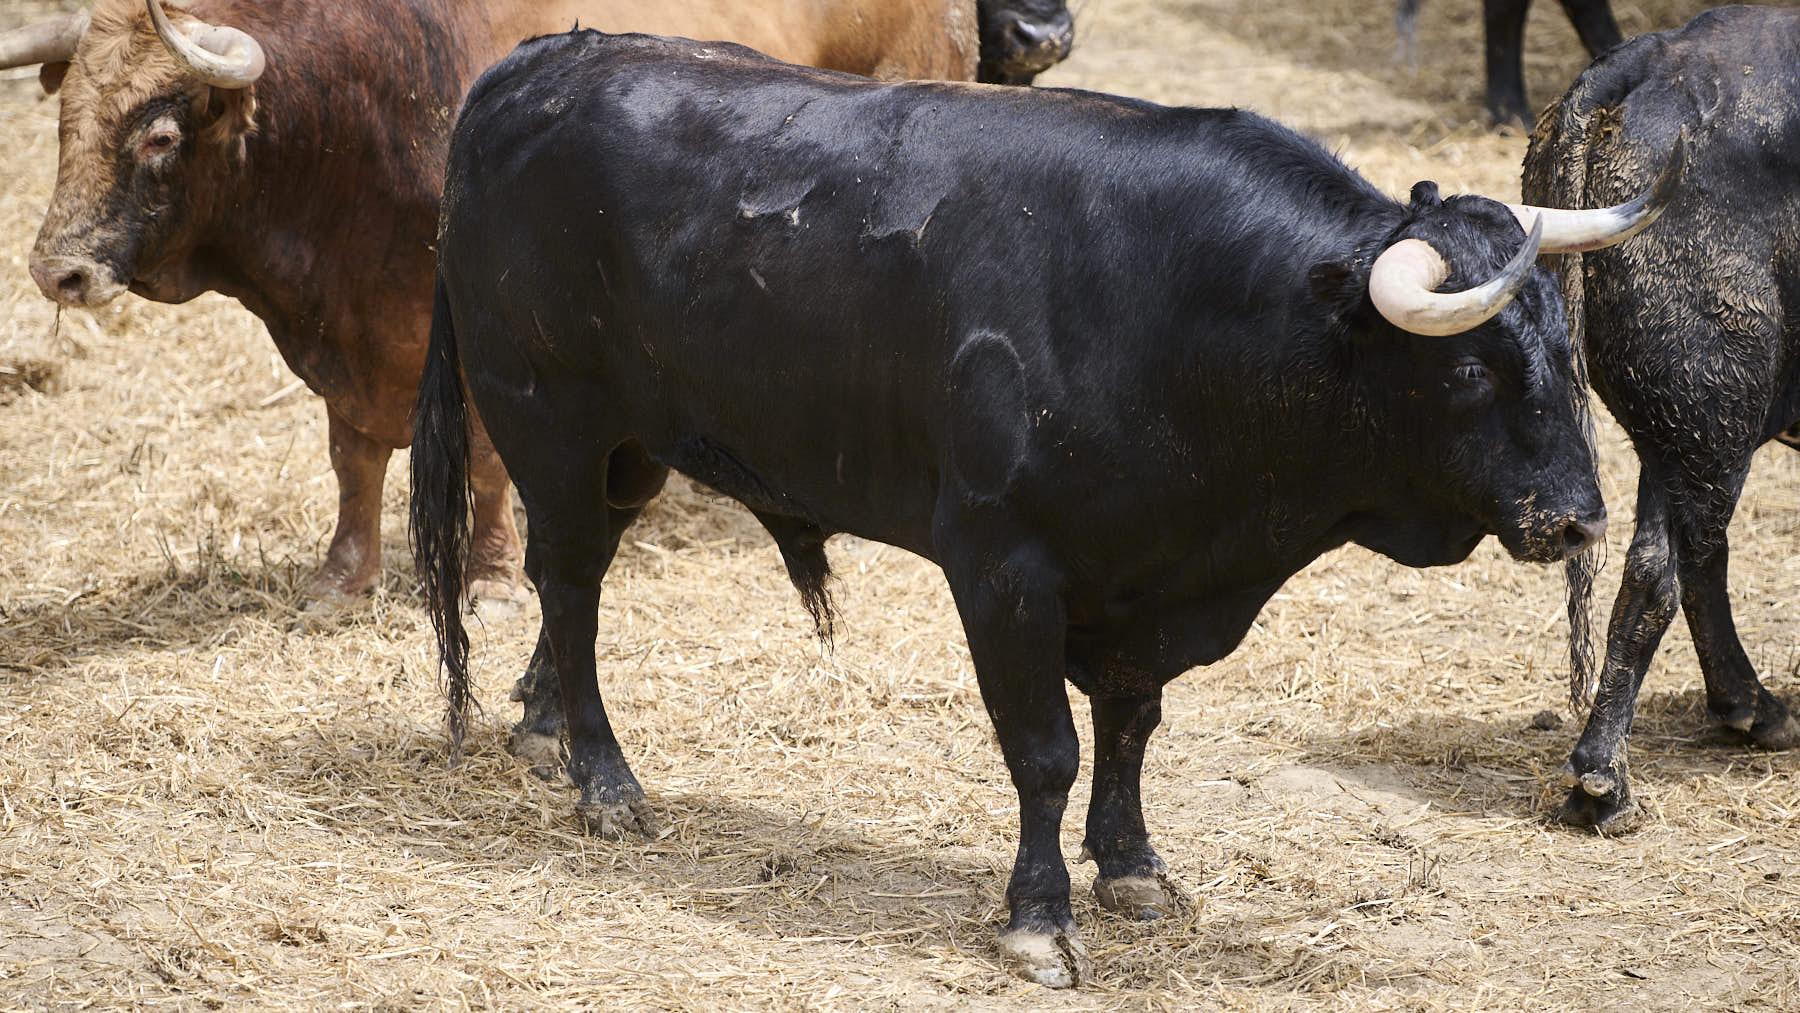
column 804, row 277
column 1078, row 350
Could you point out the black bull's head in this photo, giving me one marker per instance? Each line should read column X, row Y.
column 1502, row 438
column 1021, row 39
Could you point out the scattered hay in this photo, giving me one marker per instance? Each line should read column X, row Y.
column 204, row 805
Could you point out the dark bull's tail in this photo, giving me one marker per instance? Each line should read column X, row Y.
column 1556, row 175
column 441, row 506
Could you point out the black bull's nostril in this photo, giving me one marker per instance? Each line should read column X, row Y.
column 1031, row 36
column 1580, row 535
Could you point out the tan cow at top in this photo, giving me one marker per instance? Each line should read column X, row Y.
column 290, row 154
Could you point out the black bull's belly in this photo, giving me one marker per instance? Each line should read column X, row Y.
column 1063, row 345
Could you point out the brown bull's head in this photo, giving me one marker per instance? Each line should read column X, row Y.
column 154, row 114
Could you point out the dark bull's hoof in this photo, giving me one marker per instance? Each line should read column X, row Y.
column 1776, row 731
column 1052, row 957
column 613, row 821
column 1601, row 802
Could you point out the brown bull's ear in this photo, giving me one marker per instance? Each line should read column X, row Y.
column 50, row 76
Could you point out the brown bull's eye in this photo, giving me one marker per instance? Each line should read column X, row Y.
column 159, row 142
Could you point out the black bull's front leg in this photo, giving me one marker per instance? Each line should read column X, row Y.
column 1132, row 876
column 1016, row 630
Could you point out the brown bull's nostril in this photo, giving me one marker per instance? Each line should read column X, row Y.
column 1580, row 535
column 73, row 281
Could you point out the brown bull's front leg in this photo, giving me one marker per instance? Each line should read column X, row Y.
column 354, row 559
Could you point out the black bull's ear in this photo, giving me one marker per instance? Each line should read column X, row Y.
column 1338, row 284
column 50, row 76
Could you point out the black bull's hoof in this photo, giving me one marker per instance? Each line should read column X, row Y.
column 1601, row 802
column 619, row 819
column 1053, row 957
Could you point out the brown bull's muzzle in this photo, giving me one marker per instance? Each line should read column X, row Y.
column 75, row 280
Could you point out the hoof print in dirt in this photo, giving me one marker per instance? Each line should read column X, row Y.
column 1141, row 897
column 1053, row 959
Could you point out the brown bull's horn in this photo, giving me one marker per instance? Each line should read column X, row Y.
column 1403, row 277
column 222, row 57
column 52, row 41
column 1576, row 231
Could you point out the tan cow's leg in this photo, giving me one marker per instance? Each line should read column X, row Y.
column 496, row 572
column 354, row 558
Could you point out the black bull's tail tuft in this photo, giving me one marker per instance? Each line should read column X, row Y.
column 439, row 524
column 1556, row 175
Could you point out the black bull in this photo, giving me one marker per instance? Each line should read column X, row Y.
column 1692, row 338
column 1114, row 367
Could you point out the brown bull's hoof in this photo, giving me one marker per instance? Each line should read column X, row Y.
column 1141, row 897
column 613, row 821
column 495, row 600
column 1053, row 959
column 544, row 753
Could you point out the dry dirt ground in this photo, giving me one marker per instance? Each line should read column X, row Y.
column 202, row 806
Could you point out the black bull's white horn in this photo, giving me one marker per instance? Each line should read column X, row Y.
column 1403, row 277
column 222, row 57
column 1580, row 231
column 52, row 41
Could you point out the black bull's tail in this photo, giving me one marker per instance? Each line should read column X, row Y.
column 439, row 524
column 1556, row 175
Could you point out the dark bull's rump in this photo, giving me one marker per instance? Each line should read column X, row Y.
column 1689, row 340
column 1114, row 367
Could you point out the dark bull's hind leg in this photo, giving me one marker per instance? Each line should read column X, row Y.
column 1016, row 633
column 1593, row 21
column 1599, row 793
column 632, row 480
column 1734, row 695
column 568, row 577
column 1132, row 878
column 537, row 737
column 354, row 558
column 1504, row 24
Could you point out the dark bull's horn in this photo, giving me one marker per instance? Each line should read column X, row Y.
column 1403, row 277
column 222, row 57
column 52, row 41
column 1579, row 231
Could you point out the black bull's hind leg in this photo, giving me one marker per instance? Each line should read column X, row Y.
column 537, row 737
column 632, row 480
column 1016, row 630
column 570, row 548
column 1679, row 554
column 1599, row 792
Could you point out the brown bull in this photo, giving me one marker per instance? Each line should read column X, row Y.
column 291, row 155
